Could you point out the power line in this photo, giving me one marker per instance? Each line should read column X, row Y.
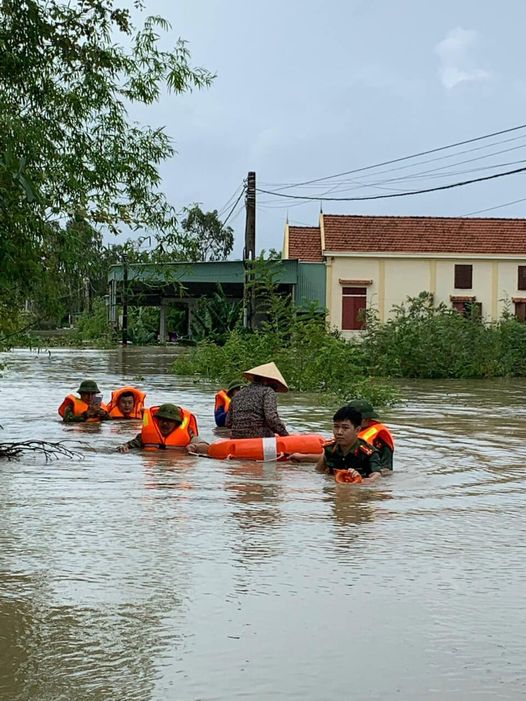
column 404, row 158
column 426, row 175
column 433, row 175
column 398, row 194
column 273, row 203
column 236, row 215
column 498, row 206
column 433, row 172
column 235, row 205
column 230, row 199
column 284, row 186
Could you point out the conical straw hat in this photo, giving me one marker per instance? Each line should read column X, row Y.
column 270, row 372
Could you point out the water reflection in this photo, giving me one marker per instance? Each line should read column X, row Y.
column 254, row 500
column 168, row 470
column 162, row 575
column 353, row 506
column 67, row 652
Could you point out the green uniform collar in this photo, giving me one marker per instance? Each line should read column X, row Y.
column 352, row 447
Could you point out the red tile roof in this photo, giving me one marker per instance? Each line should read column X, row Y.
column 305, row 243
column 423, row 234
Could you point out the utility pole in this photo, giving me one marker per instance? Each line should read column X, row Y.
column 87, row 294
column 124, row 300
column 249, row 252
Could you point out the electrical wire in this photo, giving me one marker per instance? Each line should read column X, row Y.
column 499, row 206
column 359, row 185
column 272, row 204
column 398, row 194
column 236, row 215
column 405, row 158
column 284, row 186
column 230, row 199
column 235, row 205
column 424, row 173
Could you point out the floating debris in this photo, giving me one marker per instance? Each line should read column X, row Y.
column 51, row 451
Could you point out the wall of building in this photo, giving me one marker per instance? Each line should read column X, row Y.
column 393, row 278
column 310, row 287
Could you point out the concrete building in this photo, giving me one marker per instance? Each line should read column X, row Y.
column 183, row 284
column 377, row 261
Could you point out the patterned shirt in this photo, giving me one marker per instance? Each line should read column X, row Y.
column 254, row 413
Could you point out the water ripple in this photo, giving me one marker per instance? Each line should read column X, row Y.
column 158, row 576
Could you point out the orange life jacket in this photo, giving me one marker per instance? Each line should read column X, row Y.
column 79, row 407
column 222, row 399
column 138, row 403
column 377, row 432
column 179, row 437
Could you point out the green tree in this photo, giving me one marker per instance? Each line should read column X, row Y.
column 205, row 236
column 68, row 150
column 200, row 236
column 71, row 256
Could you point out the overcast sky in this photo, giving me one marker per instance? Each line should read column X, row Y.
column 306, row 89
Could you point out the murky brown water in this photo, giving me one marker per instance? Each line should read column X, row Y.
column 159, row 577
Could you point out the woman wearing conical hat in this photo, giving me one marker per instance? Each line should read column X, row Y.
column 253, row 411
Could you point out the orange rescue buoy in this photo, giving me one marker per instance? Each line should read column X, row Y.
column 266, row 448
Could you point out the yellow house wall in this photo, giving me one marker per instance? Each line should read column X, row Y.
column 392, row 281
column 507, row 284
column 482, row 287
column 405, row 277
column 350, row 268
column 394, row 278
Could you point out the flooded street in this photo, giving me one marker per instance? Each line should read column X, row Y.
column 152, row 577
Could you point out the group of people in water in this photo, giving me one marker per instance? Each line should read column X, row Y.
column 361, row 450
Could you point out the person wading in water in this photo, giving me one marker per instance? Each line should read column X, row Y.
column 253, row 412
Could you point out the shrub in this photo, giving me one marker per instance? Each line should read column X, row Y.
column 94, row 327
column 426, row 341
column 309, row 356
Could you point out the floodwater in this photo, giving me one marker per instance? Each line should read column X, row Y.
column 157, row 576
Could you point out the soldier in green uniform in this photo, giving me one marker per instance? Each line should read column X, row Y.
column 348, row 451
column 87, row 408
column 375, row 432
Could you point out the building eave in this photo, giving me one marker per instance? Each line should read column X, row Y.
column 410, row 254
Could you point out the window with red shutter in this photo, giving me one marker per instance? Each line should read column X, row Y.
column 463, row 277
column 354, row 303
column 521, row 282
column 467, row 306
column 474, row 310
column 520, row 311
column 459, row 307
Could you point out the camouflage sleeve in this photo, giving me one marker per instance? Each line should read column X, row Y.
column 321, row 465
column 70, row 418
column 386, row 456
column 135, row 442
column 374, row 461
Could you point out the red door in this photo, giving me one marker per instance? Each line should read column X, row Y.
column 354, row 303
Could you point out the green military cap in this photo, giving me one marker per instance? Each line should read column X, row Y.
column 366, row 410
column 171, row 412
column 235, row 384
column 88, row 387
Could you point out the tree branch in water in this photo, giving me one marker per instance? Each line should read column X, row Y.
column 51, row 451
